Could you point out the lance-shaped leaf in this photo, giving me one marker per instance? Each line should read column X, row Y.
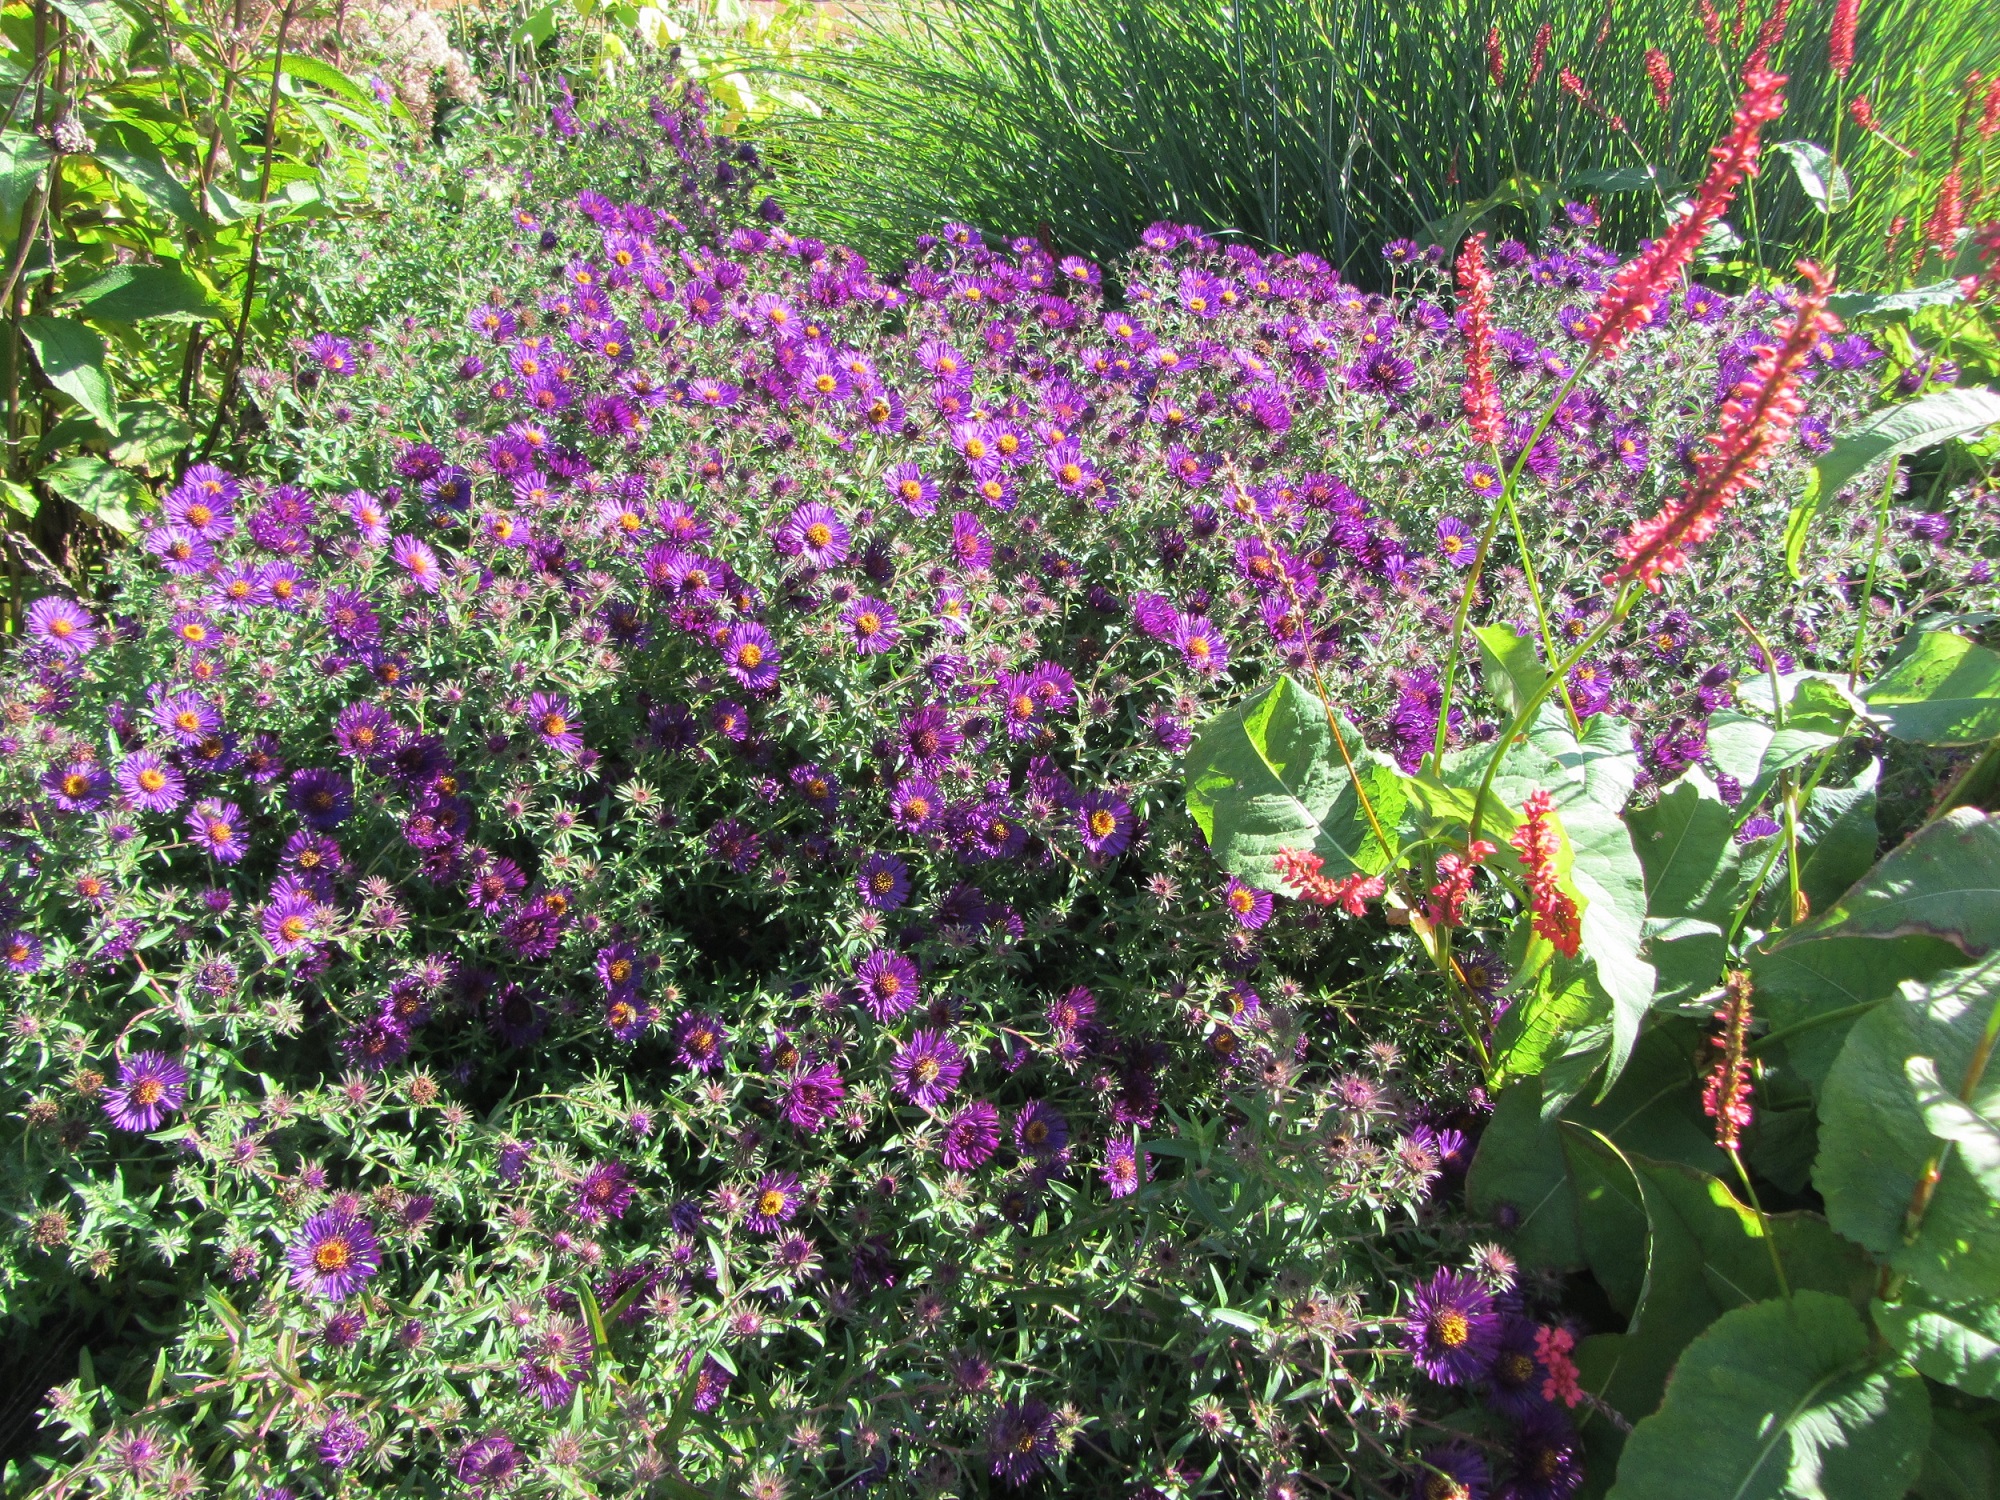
column 72, row 359
column 1513, row 671
column 1943, row 690
column 1781, row 1400
column 1823, row 179
column 1908, row 428
column 1266, row 775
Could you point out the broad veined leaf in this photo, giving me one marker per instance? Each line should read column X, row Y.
column 1962, row 1462
column 23, row 160
column 1944, row 690
column 1687, row 956
column 99, row 490
column 1908, row 428
column 1645, row 179
column 1686, row 842
column 1513, row 670
column 1958, row 1344
column 1562, row 1000
column 1755, row 754
column 1518, row 1178
column 134, row 293
column 72, row 358
column 1838, row 838
column 1266, row 775
column 1950, row 1118
column 134, row 158
column 1876, row 1144
column 1851, row 305
column 1823, row 180
column 149, row 433
column 1781, row 1400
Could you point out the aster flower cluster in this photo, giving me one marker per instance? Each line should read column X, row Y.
column 656, row 865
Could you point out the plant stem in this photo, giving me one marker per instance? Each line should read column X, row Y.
column 1867, row 602
column 1763, row 1224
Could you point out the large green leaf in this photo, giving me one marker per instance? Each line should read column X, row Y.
column 1908, row 428
column 1958, row 1344
column 1781, row 1400
column 1686, row 842
column 1943, row 882
column 1945, row 690
column 107, row 494
column 1755, row 754
column 1875, row 1143
column 23, row 160
column 1838, row 838
column 134, row 293
column 1508, row 661
column 1265, row 775
column 1962, row 1462
column 1823, row 179
column 71, row 355
column 132, row 155
column 1518, row 1177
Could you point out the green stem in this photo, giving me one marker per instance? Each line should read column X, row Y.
column 1867, row 602
column 1763, row 1225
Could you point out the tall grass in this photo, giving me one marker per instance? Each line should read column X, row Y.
column 1339, row 124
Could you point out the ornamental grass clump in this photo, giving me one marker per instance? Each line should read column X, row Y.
column 633, row 883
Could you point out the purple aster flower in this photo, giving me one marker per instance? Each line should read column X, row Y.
column 218, row 830
column 811, row 1098
column 885, row 983
column 884, row 882
column 1021, row 1441
column 335, row 1254
column 487, row 1465
column 916, row 805
column 554, row 1360
column 927, row 1068
column 1124, row 1168
column 751, row 656
column 1203, row 648
column 62, row 624
column 605, row 1192
column 80, row 786
column 377, row 1042
column 1250, row 906
column 365, row 730
column 418, row 562
column 555, row 724
column 188, row 717
column 1484, row 479
column 1546, row 1460
column 872, row 626
column 817, row 533
column 322, row 798
column 971, row 1136
column 774, row 1203
column 1514, row 1379
column 912, row 490
column 150, row 1087
column 341, row 1441
column 1105, row 822
column 1458, row 544
column 1072, row 1011
column 1455, row 1471
column 928, row 739
column 23, row 952
column 1040, row 1130
column 290, row 917
column 1385, row 373
column 700, row 1042
column 711, row 1384
column 334, row 356
column 1453, row 1330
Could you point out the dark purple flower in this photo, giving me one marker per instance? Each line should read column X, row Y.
column 1455, row 1471
column 554, row 1360
column 1105, row 822
column 322, row 798
column 871, row 625
column 773, row 1204
column 700, row 1042
column 1453, row 1331
column 219, row 831
column 1546, row 1460
column 335, row 1255
column 885, row 983
column 1124, row 1168
column 927, row 1068
column 1040, row 1130
column 553, row 718
column 150, row 1087
column 1021, row 1441
column 884, row 882
column 811, row 1098
column 488, row 1464
column 751, row 656
column 604, row 1192
column 971, row 1136
column 62, row 624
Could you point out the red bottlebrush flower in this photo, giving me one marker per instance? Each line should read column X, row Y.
column 1627, row 304
column 1351, row 893
column 1948, row 217
column 1989, row 114
column 1864, row 114
column 1561, row 1381
column 1660, row 73
column 1711, row 24
column 1769, row 35
column 1555, row 915
column 1445, row 905
column 1726, row 1099
column 1755, row 420
column 1840, row 41
column 1496, row 60
column 1539, row 54
column 1481, row 393
column 1736, row 26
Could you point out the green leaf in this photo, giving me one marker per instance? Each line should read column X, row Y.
column 1851, row 305
column 1687, row 958
column 1943, row 690
column 108, row 495
column 1686, row 842
column 1958, row 1345
column 1908, row 428
column 1962, row 1462
column 134, row 293
column 1563, row 1000
column 72, row 358
column 1755, row 754
column 20, row 498
column 1838, row 838
column 1951, row 1118
column 1941, row 882
column 149, row 434
column 324, row 75
column 1824, row 180
column 1514, row 673
column 1518, row 1173
column 538, row 28
column 23, row 160
column 1781, row 1400
column 1875, row 1144
column 1646, row 179
column 132, row 156
column 1265, row 775
column 106, row 27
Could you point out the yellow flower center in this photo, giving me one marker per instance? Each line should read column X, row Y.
column 1450, row 1328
